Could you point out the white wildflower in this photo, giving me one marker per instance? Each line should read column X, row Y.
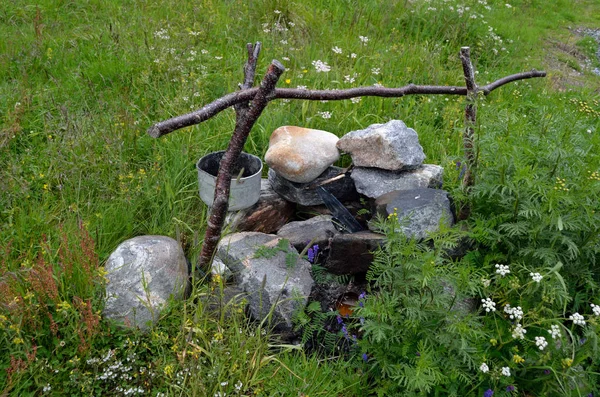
column 355, row 100
column 486, row 282
column 595, row 309
column 540, row 342
column 350, row 79
column 519, row 332
column 505, row 371
column 353, row 55
column 577, row 319
column 277, row 12
column 301, row 87
column 536, row 277
column 337, row 50
column 46, row 388
column 224, row 384
column 238, row 385
column 484, row 368
column 515, row 313
column 502, row 270
column 321, row 66
column 554, row 331
column 489, row 305
column 376, row 71
column 364, row 39
column 325, row 115
column 508, row 5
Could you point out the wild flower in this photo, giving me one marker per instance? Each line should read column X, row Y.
column 352, row 55
column 489, row 305
column 505, row 371
column 350, row 79
column 554, row 331
column 488, row 393
column 519, row 332
column 486, row 282
column 595, row 309
column 224, row 384
column 355, row 100
column 325, row 115
column 540, row 342
column 502, row 270
column 46, row 388
column 363, row 39
column 337, row 50
column 515, row 313
column 321, row 66
column 238, row 385
column 376, row 71
column 302, row 87
column 484, row 368
column 536, row 277
column 510, row 388
column 365, row 357
column 577, row 319
column 518, row 359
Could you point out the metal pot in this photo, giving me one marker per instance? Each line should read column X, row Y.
column 245, row 190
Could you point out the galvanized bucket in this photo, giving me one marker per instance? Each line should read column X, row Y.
column 245, row 188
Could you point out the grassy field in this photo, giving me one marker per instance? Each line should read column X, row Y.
column 80, row 82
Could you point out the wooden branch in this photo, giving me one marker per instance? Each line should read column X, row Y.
column 249, row 73
column 470, row 122
column 243, row 127
column 217, row 106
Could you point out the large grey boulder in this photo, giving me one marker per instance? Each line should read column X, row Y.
column 270, row 271
column 143, row 274
column 391, row 146
column 419, row 211
column 301, row 154
column 302, row 193
column 318, row 229
column 375, row 182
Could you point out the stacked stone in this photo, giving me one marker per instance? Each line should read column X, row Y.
column 145, row 272
column 389, row 168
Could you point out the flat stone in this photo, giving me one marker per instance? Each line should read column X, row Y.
column 352, row 253
column 420, row 211
column 267, row 279
column 268, row 215
column 318, row 229
column 301, row 154
column 391, row 146
column 375, row 182
column 343, row 189
column 143, row 274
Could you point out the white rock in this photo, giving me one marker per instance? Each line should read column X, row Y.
column 143, row 274
column 301, row 154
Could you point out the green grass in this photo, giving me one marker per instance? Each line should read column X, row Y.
column 80, row 82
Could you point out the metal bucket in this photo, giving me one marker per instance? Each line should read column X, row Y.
column 245, row 191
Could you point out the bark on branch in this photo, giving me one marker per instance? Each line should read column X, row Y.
column 470, row 122
column 244, row 123
column 217, row 106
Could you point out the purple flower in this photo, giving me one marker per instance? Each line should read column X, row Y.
column 546, row 372
column 339, row 319
column 362, row 321
column 510, row 388
column 361, row 298
column 418, row 354
column 365, row 357
column 488, row 393
column 312, row 253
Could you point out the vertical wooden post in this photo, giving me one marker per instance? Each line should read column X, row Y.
column 246, row 117
column 469, row 134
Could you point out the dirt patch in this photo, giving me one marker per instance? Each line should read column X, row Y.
column 568, row 64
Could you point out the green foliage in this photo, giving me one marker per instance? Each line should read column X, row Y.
column 283, row 245
column 417, row 335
